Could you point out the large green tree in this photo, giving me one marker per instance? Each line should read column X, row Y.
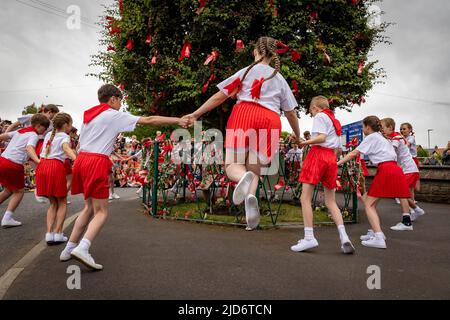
column 158, row 50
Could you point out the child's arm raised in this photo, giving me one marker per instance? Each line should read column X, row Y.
column 349, row 157
column 68, row 150
column 212, row 103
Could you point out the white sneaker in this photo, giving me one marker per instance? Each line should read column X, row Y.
column 85, row 258
column 241, row 190
column 38, row 198
column 252, row 215
column 375, row 242
column 10, row 223
column 303, row 245
column 370, row 234
column 60, row 238
column 65, row 255
column 139, row 190
column 347, row 246
column 417, row 212
column 50, row 238
column 115, row 196
column 110, row 196
column 397, row 200
column 402, row 227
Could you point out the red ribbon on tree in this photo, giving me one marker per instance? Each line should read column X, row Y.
column 185, row 51
column 295, row 55
column 201, row 5
column 211, row 57
column 149, row 39
column 153, row 61
column 294, row 86
column 120, row 5
column 256, row 88
column 114, row 30
column 111, row 48
column 129, row 45
column 236, row 84
column 239, row 45
column 273, row 8
column 282, row 47
column 206, row 85
column 360, row 68
column 355, row 2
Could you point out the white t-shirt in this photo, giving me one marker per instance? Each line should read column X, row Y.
column 377, row 148
column 25, row 121
column 404, row 158
column 323, row 124
column 99, row 135
column 56, row 149
column 412, row 145
column 276, row 94
column 294, row 155
column 17, row 147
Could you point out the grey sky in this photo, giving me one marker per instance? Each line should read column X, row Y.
column 42, row 61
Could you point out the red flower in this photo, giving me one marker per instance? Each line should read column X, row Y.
column 129, row 45
column 295, row 55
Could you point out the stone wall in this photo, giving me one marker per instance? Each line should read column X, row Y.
column 434, row 183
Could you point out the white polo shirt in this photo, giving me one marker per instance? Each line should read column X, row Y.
column 276, row 95
column 377, row 148
column 404, row 157
column 99, row 135
column 323, row 124
column 56, row 149
column 412, row 145
column 16, row 151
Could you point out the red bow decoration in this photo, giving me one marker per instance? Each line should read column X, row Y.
column 352, row 143
column 336, row 123
column 360, row 68
column 282, row 47
column 206, row 85
column 114, row 30
column 153, row 61
column 239, row 45
column 201, row 5
column 211, row 57
column 256, row 88
column 129, row 45
column 149, row 39
column 236, row 84
column 295, row 55
column 185, row 51
column 294, row 86
column 27, row 129
column 161, row 137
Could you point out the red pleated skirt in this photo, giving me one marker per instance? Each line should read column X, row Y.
column 320, row 165
column 51, row 179
column 412, row 178
column 389, row 182
column 68, row 167
column 252, row 127
column 90, row 175
column 12, row 175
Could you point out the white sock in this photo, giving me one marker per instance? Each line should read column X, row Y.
column 309, row 233
column 342, row 234
column 8, row 215
column 379, row 235
column 85, row 244
column 71, row 245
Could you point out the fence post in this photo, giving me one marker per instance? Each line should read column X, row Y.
column 155, row 178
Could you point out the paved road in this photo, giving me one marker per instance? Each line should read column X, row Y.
column 146, row 258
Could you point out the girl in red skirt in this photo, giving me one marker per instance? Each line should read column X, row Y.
column 389, row 181
column 254, row 126
column 411, row 171
column 51, row 181
column 21, row 146
column 320, row 167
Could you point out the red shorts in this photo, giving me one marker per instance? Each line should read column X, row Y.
column 416, row 162
column 51, row 179
column 252, row 127
column 68, row 167
column 412, row 178
column 389, row 182
column 90, row 175
column 12, row 175
column 320, row 165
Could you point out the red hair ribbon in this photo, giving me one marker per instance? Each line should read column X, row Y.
column 256, row 88
column 239, row 45
column 201, row 5
column 236, row 84
column 129, row 45
column 185, row 51
column 211, row 57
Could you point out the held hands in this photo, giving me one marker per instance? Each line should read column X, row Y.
column 187, row 121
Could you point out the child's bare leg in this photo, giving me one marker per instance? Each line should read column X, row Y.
column 330, row 202
column 306, row 199
column 82, row 221
column 16, row 198
column 4, row 195
column 100, row 215
column 61, row 214
column 370, row 204
column 51, row 214
column 235, row 166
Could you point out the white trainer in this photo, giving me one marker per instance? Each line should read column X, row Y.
column 241, row 190
column 375, row 242
column 115, row 196
column 397, row 200
column 110, row 196
column 60, row 238
column 252, row 215
column 347, row 246
column 304, row 245
column 85, row 258
column 50, row 238
column 65, row 255
column 416, row 213
column 402, row 227
column 10, row 223
column 370, row 234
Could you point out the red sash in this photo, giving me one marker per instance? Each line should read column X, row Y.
column 27, row 129
column 397, row 136
column 93, row 112
column 336, row 123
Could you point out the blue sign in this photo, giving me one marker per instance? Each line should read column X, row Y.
column 352, row 130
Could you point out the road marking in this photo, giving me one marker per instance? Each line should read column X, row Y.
column 8, row 278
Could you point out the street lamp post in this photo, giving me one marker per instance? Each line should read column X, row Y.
column 429, row 146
